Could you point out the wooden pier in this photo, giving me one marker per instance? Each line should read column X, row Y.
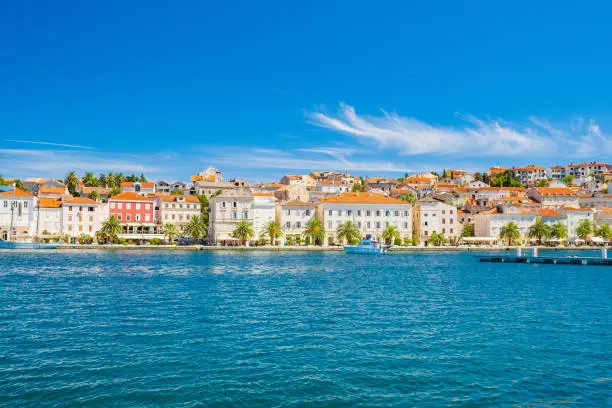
column 560, row 260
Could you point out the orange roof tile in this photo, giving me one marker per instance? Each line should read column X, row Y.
column 51, row 190
column 548, row 212
column 605, row 209
column 129, row 196
column 554, row 191
column 173, row 198
column 49, row 203
column 297, row 203
column 575, row 209
column 16, row 193
column 361, row 198
column 259, row 194
column 81, row 200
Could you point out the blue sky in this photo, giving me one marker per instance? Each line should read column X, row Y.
column 261, row 88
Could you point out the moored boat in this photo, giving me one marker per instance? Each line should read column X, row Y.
column 367, row 246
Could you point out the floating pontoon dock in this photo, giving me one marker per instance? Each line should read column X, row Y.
column 533, row 258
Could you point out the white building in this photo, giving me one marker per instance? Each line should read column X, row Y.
column 332, row 187
column 370, row 212
column 264, row 211
column 83, row 216
column 17, row 215
column 177, row 209
column 530, row 174
column 489, row 224
column 553, row 197
column 227, row 210
column 573, row 217
column 138, row 187
column 434, row 215
column 48, row 216
column 603, row 215
column 293, row 216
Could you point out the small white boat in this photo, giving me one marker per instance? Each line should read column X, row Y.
column 367, row 246
column 26, row 245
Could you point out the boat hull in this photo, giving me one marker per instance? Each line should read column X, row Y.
column 356, row 249
column 26, row 245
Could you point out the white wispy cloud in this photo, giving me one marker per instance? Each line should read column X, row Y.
column 35, row 142
column 475, row 136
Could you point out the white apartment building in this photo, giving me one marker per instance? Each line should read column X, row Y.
column 48, row 216
column 380, row 185
column 332, row 187
column 83, row 216
column 489, row 224
column 264, row 211
column 17, row 215
column 293, row 216
column 603, row 215
column 227, row 210
column 553, row 197
column 585, row 169
column 434, row 215
column 573, row 217
column 178, row 209
column 370, row 212
column 530, row 174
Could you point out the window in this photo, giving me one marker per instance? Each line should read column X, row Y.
column 349, row 212
column 359, row 213
column 70, row 228
column 180, row 217
column 329, row 224
column 425, row 223
column 173, row 205
column 451, row 230
column 451, row 221
column 368, row 225
column 307, row 213
column 443, row 212
column 90, row 228
column 127, row 217
column 119, row 205
column 450, row 212
column 386, row 223
column 147, row 217
column 119, row 217
column 289, row 211
column 396, row 213
column 234, row 215
column 298, row 225
column 377, row 225
column 70, row 208
column 138, row 206
column 443, row 220
column 128, row 206
column 223, row 204
column 245, row 214
column 405, row 213
column 387, row 213
column 330, row 213
column 166, row 217
column 339, row 213
column 91, row 218
column 405, row 225
column 425, row 215
column 25, row 204
column 5, row 204
column 359, row 224
column 173, row 217
column 288, row 224
column 70, row 218
column 368, row 213
column 444, row 230
column 378, row 213
column 235, row 204
column 80, row 228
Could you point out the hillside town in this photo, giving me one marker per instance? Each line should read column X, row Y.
column 560, row 205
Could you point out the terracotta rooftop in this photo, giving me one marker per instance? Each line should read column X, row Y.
column 81, row 200
column 129, row 196
column 555, row 191
column 52, row 190
column 260, row 194
column 49, row 203
column 16, row 193
column 605, row 209
column 548, row 212
column 564, row 208
column 174, row 198
column 361, row 198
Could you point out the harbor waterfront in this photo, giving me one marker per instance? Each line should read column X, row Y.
column 257, row 328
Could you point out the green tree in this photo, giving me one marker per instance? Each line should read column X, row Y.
column 468, row 230
column 110, row 229
column 273, row 231
column 111, row 181
column 584, row 229
column 243, row 231
column 542, row 183
column 604, row 231
column 142, row 178
column 177, row 192
column 568, row 180
column 347, row 232
column 196, row 228
column 115, row 190
column 90, row 180
column 539, row 230
column 72, row 182
column 407, row 197
column 102, row 182
column 94, row 196
column 315, row 231
column 204, row 203
column 357, row 187
column 436, row 239
column 391, row 234
column 510, row 232
column 506, row 179
column 170, row 230
column 85, row 239
column 558, row 231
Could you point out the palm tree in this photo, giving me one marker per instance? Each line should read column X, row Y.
column 408, row 197
column 539, row 230
column 110, row 180
column 436, row 238
column 102, row 180
column 604, row 231
column 89, row 180
column 243, row 231
column 94, row 196
column 584, row 229
column 170, row 230
column 558, row 231
column 196, row 228
column 72, row 182
column 114, row 191
column 273, row 231
column 314, row 231
column 391, row 234
column 467, row 230
column 510, row 232
column 110, row 229
column 347, row 231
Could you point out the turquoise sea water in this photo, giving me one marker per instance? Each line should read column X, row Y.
column 131, row 329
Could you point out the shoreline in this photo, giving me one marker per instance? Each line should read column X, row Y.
column 310, row 249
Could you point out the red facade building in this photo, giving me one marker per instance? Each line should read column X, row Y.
column 134, row 211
